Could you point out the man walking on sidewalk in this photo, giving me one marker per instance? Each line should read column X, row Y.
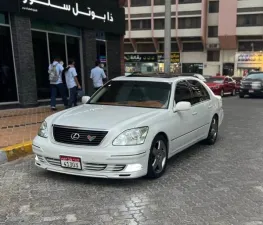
column 55, row 77
column 97, row 75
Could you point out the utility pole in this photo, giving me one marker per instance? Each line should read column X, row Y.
column 167, row 37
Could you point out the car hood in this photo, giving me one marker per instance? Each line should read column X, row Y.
column 213, row 84
column 105, row 117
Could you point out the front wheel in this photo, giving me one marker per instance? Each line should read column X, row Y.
column 213, row 132
column 158, row 157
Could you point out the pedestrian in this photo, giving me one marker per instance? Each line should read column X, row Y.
column 55, row 77
column 97, row 75
column 72, row 83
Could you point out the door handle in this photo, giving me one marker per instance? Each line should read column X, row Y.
column 194, row 113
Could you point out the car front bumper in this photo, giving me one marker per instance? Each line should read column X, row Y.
column 132, row 162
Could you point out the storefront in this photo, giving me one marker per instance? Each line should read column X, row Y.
column 145, row 63
column 175, row 63
column 192, row 68
column 33, row 33
column 247, row 62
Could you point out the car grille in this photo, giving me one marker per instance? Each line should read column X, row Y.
column 88, row 166
column 83, row 137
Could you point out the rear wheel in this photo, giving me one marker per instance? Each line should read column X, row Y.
column 213, row 132
column 158, row 157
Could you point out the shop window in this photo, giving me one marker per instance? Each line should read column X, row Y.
column 58, row 28
column 228, row 69
column 189, row 1
column 193, row 47
column 213, row 56
column 4, row 18
column 73, row 50
column 192, row 68
column 189, row 23
column 212, row 31
column 135, row 3
column 141, row 24
column 213, row 6
column 251, row 20
column 8, row 91
column 40, row 49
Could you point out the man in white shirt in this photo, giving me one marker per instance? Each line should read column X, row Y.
column 97, row 75
column 57, row 85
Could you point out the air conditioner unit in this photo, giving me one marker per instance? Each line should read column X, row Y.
column 213, row 46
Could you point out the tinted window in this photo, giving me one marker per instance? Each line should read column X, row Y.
column 182, row 92
column 200, row 94
column 134, row 94
column 218, row 80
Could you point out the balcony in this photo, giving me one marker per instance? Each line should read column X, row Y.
column 196, row 32
column 141, row 34
column 249, row 31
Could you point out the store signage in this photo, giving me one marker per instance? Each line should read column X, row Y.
column 256, row 57
column 175, row 57
column 84, row 13
column 140, row 58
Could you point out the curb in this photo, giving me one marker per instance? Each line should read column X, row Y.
column 14, row 152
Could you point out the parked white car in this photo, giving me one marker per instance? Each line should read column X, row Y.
column 129, row 128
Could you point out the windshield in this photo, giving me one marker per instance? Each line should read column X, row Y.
column 134, row 94
column 217, row 80
column 255, row 76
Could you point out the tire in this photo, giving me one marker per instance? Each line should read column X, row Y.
column 213, row 132
column 222, row 93
column 241, row 95
column 158, row 157
column 233, row 92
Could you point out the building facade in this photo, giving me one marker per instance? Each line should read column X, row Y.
column 34, row 32
column 208, row 36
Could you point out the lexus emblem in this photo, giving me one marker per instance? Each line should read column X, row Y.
column 75, row 136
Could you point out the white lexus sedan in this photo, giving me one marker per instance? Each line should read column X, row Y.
column 129, row 128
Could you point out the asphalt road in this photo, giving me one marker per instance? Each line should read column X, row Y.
column 217, row 185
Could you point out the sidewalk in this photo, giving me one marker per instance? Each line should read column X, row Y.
column 21, row 125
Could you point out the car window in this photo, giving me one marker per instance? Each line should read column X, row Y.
column 182, row 92
column 200, row 93
column 134, row 94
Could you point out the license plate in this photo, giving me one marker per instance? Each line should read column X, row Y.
column 70, row 162
column 251, row 91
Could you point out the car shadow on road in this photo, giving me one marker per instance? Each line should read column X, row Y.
column 194, row 154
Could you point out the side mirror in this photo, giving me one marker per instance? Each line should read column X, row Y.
column 182, row 106
column 85, row 99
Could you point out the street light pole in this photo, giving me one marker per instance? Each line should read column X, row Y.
column 167, row 37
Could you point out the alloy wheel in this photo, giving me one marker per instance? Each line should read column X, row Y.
column 213, row 130
column 159, row 156
column 222, row 93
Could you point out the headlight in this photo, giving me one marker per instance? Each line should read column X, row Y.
column 134, row 136
column 43, row 131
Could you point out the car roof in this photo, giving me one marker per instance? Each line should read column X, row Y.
column 154, row 77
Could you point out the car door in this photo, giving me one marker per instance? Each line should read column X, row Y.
column 227, row 89
column 181, row 122
column 232, row 84
column 202, row 109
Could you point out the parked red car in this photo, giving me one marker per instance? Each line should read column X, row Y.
column 222, row 85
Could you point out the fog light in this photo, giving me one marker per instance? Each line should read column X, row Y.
column 133, row 168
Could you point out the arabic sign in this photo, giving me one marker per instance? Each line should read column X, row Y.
column 100, row 15
column 253, row 57
column 175, row 57
column 140, row 58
